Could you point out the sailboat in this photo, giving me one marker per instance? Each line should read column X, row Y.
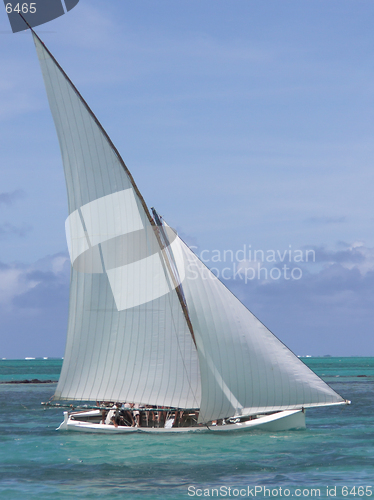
column 153, row 334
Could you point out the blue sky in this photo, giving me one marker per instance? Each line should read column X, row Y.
column 242, row 122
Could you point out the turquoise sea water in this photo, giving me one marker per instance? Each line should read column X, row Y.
column 334, row 452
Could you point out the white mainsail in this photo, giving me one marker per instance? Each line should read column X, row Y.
column 128, row 339
column 149, row 324
column 245, row 369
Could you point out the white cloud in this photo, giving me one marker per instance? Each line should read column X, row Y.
column 16, row 280
column 34, row 307
column 13, row 282
column 354, row 256
column 327, row 219
column 328, row 311
column 7, row 229
column 8, row 198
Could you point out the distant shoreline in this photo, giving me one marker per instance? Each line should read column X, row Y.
column 32, row 381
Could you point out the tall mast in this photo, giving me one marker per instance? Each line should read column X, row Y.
column 168, row 256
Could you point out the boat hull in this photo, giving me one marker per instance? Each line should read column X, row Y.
column 280, row 421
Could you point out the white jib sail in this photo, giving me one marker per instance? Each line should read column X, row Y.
column 127, row 336
column 245, row 369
